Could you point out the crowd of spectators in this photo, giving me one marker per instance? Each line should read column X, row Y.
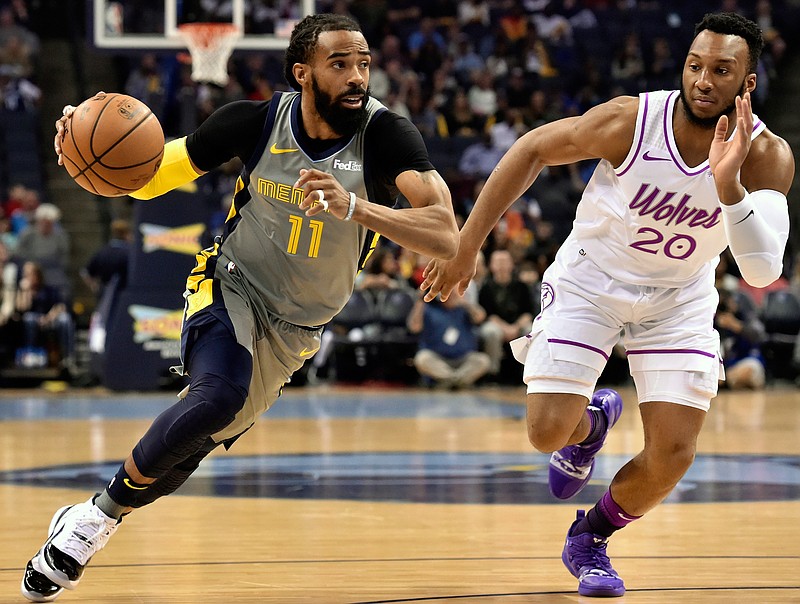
column 473, row 75
column 36, row 326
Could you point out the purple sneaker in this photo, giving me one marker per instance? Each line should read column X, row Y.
column 585, row 557
column 572, row 467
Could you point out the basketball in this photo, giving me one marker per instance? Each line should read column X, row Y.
column 113, row 144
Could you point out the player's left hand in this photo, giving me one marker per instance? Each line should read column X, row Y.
column 725, row 157
column 322, row 192
column 441, row 277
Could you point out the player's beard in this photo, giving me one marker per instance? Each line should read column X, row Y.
column 707, row 122
column 342, row 120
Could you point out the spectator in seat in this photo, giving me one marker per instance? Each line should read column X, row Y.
column 508, row 305
column 480, row 158
column 448, row 346
column 111, row 260
column 40, row 311
column 382, row 272
column 7, row 236
column 47, row 244
column 741, row 337
column 21, row 206
column 8, row 289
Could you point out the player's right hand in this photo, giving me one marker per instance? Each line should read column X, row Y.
column 61, row 128
column 440, row 277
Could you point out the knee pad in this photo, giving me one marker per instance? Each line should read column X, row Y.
column 690, row 388
column 543, row 373
column 213, row 402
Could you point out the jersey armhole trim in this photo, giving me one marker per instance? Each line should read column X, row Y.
column 266, row 132
column 638, row 136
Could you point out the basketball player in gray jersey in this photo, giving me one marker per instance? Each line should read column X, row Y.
column 323, row 168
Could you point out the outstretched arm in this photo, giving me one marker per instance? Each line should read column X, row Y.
column 606, row 131
column 754, row 209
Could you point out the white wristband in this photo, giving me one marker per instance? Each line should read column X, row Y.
column 352, row 207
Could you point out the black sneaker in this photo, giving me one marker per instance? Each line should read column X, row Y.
column 38, row 588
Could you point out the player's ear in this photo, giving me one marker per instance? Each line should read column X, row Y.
column 300, row 72
column 750, row 82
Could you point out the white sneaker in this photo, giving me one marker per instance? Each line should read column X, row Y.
column 77, row 532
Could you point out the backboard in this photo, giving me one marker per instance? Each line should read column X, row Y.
column 153, row 24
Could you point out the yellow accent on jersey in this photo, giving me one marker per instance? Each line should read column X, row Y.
column 294, row 235
column 373, row 244
column 316, row 237
column 233, row 211
column 306, row 352
column 202, row 258
column 276, row 151
column 176, row 170
column 199, row 285
column 201, row 298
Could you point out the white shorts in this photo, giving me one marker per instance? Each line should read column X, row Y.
column 585, row 313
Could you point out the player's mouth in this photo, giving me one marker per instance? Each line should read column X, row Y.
column 355, row 101
column 704, row 101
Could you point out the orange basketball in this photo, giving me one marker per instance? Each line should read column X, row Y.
column 113, row 144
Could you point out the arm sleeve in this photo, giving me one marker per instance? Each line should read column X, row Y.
column 758, row 228
column 231, row 131
column 175, row 170
column 398, row 145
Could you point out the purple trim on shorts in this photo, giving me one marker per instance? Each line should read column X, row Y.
column 674, row 154
column 641, row 137
column 579, row 345
column 673, row 351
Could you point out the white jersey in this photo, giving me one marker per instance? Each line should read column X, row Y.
column 653, row 221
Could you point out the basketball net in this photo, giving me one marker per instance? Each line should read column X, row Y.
column 210, row 45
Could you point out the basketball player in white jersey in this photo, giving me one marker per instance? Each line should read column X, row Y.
column 683, row 175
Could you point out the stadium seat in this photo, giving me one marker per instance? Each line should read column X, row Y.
column 781, row 318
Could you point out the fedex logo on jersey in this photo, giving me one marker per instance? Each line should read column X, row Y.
column 347, row 166
column 651, row 201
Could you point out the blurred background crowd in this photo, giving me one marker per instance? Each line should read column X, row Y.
column 472, row 75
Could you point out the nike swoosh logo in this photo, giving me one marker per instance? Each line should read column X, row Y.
column 306, row 352
column 130, row 485
column 275, row 151
column 624, row 517
column 749, row 214
column 648, row 157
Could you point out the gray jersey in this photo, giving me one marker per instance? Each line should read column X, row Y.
column 301, row 269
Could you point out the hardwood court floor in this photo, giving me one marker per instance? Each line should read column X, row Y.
column 367, row 496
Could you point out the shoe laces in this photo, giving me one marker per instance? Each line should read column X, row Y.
column 88, row 534
column 577, row 458
column 594, row 557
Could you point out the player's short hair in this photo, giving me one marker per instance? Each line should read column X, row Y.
column 735, row 25
column 303, row 41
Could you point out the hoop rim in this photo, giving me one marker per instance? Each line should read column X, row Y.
column 202, row 27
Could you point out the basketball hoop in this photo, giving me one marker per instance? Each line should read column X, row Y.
column 210, row 45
